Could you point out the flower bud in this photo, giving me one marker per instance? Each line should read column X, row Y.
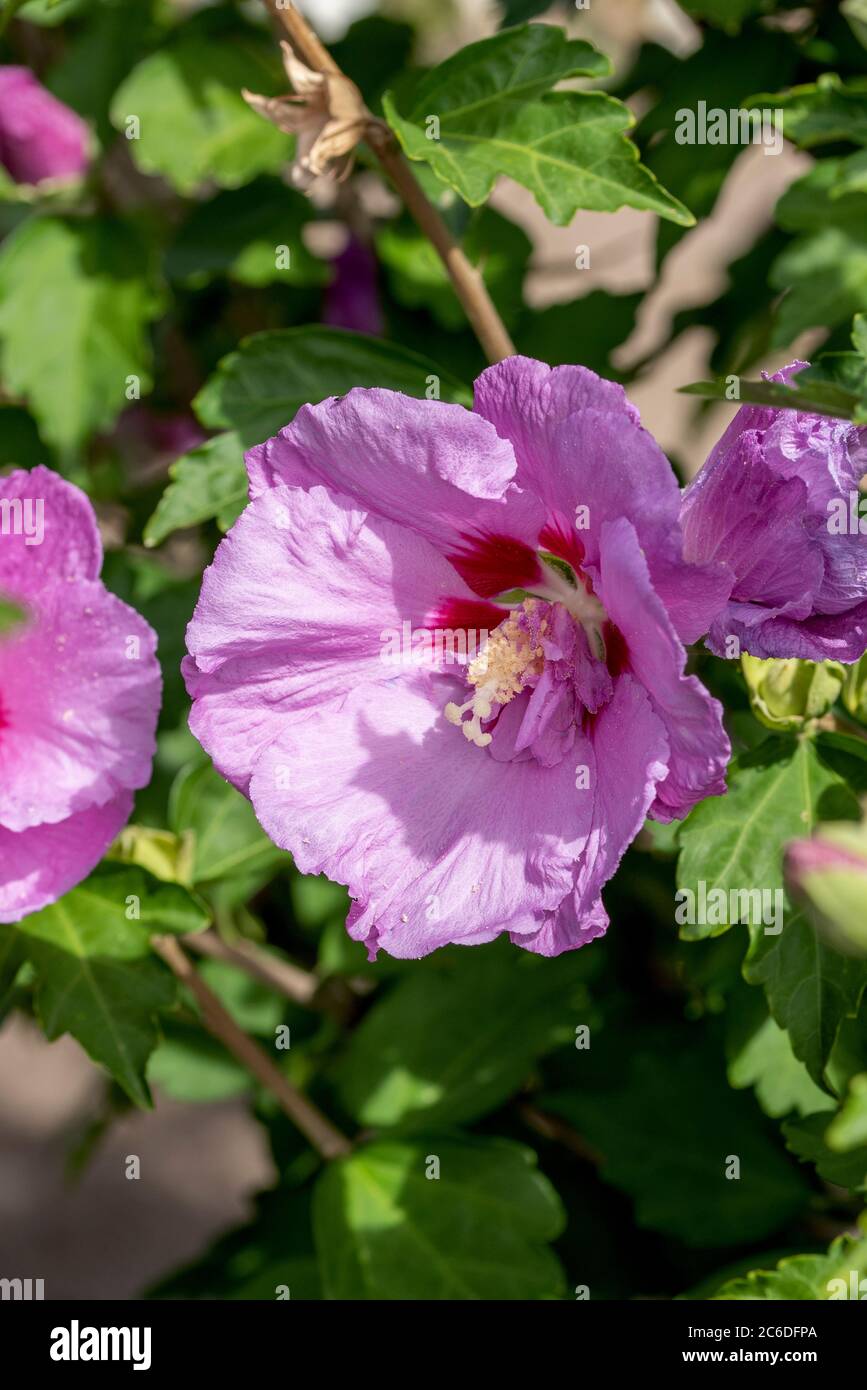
column 785, row 694
column 830, row 872
column 855, row 689
column 41, row 139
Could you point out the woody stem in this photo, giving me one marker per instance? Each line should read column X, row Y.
column 468, row 284
column 316, row 1127
column 298, row 985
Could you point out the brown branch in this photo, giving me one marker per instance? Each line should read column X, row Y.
column 297, row 984
column 559, row 1131
column 336, row 997
column 305, row 42
column 316, row 1128
column 469, row 286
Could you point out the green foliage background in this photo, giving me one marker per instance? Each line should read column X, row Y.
column 564, row 1168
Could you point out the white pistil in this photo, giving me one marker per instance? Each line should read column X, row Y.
column 480, row 707
column 497, row 673
column 585, row 608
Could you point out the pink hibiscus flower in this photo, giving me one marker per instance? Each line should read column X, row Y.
column 79, row 695
column 763, row 505
column 40, row 137
column 460, row 799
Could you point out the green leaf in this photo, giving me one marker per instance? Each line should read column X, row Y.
column 97, row 978
column 806, row 1278
column 839, row 379
column 821, row 112
column 764, row 1060
column 229, row 847
column 258, row 389
column 455, row 1040
column 210, row 481
column 835, row 384
column 497, row 115
column 189, row 1065
column 735, row 844
column 832, row 400
column 193, row 121
column 808, row 1138
column 826, row 279
column 849, row 1058
column 810, row 987
column 848, row 1129
column 824, row 269
column 476, row 84
column 51, row 12
column 251, row 235
column 667, row 1131
column 157, row 906
column 386, row 1230
column 850, row 175
column 856, row 13
column 76, row 297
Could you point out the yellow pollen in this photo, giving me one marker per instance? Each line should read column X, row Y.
column 498, row 673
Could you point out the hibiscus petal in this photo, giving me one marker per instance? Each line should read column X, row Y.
column 433, row 467
column 693, row 594
column 524, row 399
column 579, row 442
column 566, row 929
column 700, row 749
column 306, row 599
column 79, row 688
column 753, row 417
column 63, row 536
column 40, row 864
column 628, row 758
column 740, row 511
column 763, row 504
column 435, row 840
column 822, row 637
column 828, row 454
